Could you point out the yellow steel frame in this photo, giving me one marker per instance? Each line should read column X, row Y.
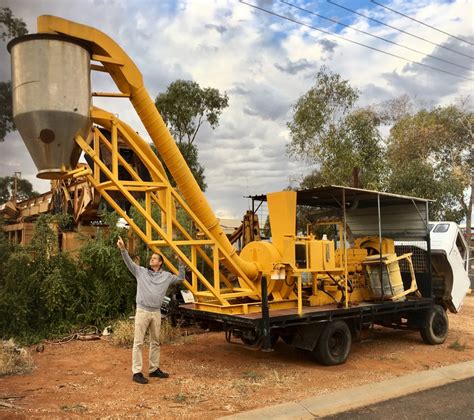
column 129, row 81
column 160, row 192
column 220, row 292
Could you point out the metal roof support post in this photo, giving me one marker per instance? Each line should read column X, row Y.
column 382, row 292
column 346, row 303
column 428, row 253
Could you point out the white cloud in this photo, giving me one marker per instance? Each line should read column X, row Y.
column 263, row 63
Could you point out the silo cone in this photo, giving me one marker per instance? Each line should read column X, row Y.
column 51, row 93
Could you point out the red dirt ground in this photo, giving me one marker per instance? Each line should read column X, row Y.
column 210, row 378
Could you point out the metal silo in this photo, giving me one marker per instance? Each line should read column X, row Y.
column 51, row 99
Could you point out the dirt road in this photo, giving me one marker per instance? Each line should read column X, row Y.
column 211, row 378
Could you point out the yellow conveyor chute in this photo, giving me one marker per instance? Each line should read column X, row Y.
column 130, row 82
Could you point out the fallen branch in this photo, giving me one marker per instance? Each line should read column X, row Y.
column 8, row 405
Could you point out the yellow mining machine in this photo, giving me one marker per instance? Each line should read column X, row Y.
column 309, row 290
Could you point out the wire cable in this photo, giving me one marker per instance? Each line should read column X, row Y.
column 352, row 41
column 419, row 21
column 397, row 29
column 374, row 36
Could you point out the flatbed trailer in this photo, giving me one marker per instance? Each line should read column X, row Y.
column 261, row 330
column 328, row 330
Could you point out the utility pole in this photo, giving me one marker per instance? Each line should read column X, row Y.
column 16, row 177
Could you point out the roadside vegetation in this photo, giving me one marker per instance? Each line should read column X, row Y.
column 14, row 359
column 46, row 294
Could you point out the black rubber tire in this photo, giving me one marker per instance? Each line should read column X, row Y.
column 334, row 344
column 434, row 326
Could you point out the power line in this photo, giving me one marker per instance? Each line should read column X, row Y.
column 351, row 41
column 374, row 36
column 397, row 29
column 419, row 21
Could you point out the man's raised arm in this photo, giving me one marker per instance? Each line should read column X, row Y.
column 132, row 267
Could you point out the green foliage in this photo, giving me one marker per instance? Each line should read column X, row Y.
column 44, row 293
column 6, row 110
column 319, row 115
column 24, row 189
column 109, row 284
column 16, row 299
column 427, row 154
column 430, row 154
column 355, row 156
column 190, row 154
column 328, row 131
column 39, row 289
column 418, row 178
column 10, row 27
column 185, row 106
column 6, row 248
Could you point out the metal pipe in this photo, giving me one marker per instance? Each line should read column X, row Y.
column 428, row 252
column 382, row 292
column 267, row 340
column 346, row 302
column 183, row 176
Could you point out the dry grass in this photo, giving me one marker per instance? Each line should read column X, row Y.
column 170, row 334
column 252, row 376
column 456, row 345
column 14, row 359
column 123, row 331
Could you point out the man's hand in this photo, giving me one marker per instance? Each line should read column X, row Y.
column 120, row 243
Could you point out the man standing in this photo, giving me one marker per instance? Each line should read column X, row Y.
column 152, row 284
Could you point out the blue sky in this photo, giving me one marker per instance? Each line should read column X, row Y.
column 264, row 63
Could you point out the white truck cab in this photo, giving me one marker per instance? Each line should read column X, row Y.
column 450, row 258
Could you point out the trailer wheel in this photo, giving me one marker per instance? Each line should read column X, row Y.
column 434, row 326
column 334, row 344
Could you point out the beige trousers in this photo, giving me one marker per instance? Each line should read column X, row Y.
column 145, row 320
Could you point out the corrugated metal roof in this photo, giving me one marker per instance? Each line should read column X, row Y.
column 401, row 217
column 331, row 196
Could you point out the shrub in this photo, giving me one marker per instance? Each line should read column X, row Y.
column 45, row 293
column 14, row 359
